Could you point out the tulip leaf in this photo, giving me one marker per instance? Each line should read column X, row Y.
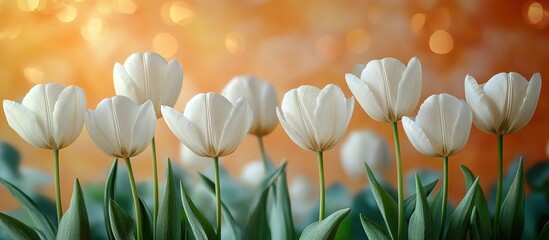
column 17, row 230
column 511, row 218
column 385, row 203
column 146, row 218
column 75, row 224
column 461, row 217
column 410, row 202
column 121, row 222
column 43, row 223
column 201, row 228
column 258, row 224
column 108, row 196
column 281, row 222
column 481, row 205
column 476, row 230
column 373, row 230
column 168, row 225
column 327, row 228
column 544, row 234
column 421, row 220
column 436, row 213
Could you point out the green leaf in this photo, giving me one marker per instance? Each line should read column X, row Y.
column 75, row 224
column 258, row 225
column 327, row 228
column 483, row 214
column 461, row 217
column 421, row 220
column 281, row 222
column 512, row 210
column 386, row 204
column 9, row 161
column 43, row 223
column 146, row 218
column 121, row 222
column 373, row 230
column 436, row 213
column 201, row 228
column 168, row 225
column 108, row 196
column 410, row 202
column 16, row 229
column 544, row 234
column 476, row 230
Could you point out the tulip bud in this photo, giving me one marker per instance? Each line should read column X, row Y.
column 364, row 147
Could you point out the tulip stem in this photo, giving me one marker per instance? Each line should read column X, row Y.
column 399, row 180
column 266, row 163
column 500, row 183
column 217, row 197
column 57, row 186
column 444, row 196
column 322, row 191
column 135, row 199
column 155, row 185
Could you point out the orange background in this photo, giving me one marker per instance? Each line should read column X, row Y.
column 286, row 42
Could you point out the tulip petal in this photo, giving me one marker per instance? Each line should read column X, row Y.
column 357, row 71
column 409, row 89
column 41, row 100
column 124, row 85
column 146, row 70
column 526, row 107
column 366, row 98
column 68, row 116
column 330, row 115
column 235, row 128
column 383, row 77
column 461, row 128
column 143, row 128
column 98, row 136
column 171, row 85
column 298, row 107
column 418, row 138
column 189, row 134
column 25, row 123
column 483, row 115
column 294, row 134
column 267, row 111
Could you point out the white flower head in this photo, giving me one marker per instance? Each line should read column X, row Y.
column 364, row 147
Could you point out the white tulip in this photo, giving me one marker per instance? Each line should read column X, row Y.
column 260, row 96
column 210, row 125
column 121, row 128
column 441, row 127
column 386, row 89
column 315, row 119
column 148, row 76
column 194, row 162
column 364, row 146
column 505, row 103
column 49, row 116
column 252, row 174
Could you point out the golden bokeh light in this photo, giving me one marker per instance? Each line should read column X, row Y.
column 165, row 44
column 104, row 6
column 328, row 47
column 30, row 5
column 418, row 21
column 124, row 6
column 177, row 13
column 235, row 43
column 535, row 13
column 96, row 29
column 441, row 42
column 358, row 40
column 67, row 13
column 34, row 75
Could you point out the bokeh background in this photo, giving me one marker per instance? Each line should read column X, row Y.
column 286, row 42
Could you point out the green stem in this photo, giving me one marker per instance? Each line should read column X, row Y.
column 217, row 197
column 266, row 163
column 500, row 183
column 135, row 200
column 444, row 196
column 57, row 186
column 322, row 190
column 155, row 186
column 399, row 180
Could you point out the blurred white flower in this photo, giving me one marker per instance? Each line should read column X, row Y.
column 260, row 96
column 252, row 173
column 505, row 103
column 386, row 89
column 302, row 198
column 121, row 128
column 210, row 125
column 194, row 162
column 364, row 146
column 441, row 127
column 50, row 116
column 148, row 76
column 315, row 119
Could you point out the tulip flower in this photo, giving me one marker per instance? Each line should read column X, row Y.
column 501, row 106
column 364, row 146
column 315, row 120
column 51, row 117
column 122, row 129
column 252, row 174
column 148, row 76
column 387, row 90
column 262, row 99
column 211, row 127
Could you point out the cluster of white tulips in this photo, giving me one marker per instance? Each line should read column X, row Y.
column 213, row 125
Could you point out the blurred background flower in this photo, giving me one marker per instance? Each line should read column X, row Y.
column 286, row 42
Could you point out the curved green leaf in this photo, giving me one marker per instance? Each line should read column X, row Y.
column 421, row 220
column 201, row 228
column 75, row 224
column 483, row 214
column 373, row 230
column 476, row 230
column 16, row 229
column 461, row 217
column 108, row 196
column 410, row 202
column 327, row 228
column 43, row 223
column 544, row 234
column 168, row 225
column 121, row 222
column 146, row 218
column 385, row 202
column 436, row 213
column 512, row 210
column 281, row 222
